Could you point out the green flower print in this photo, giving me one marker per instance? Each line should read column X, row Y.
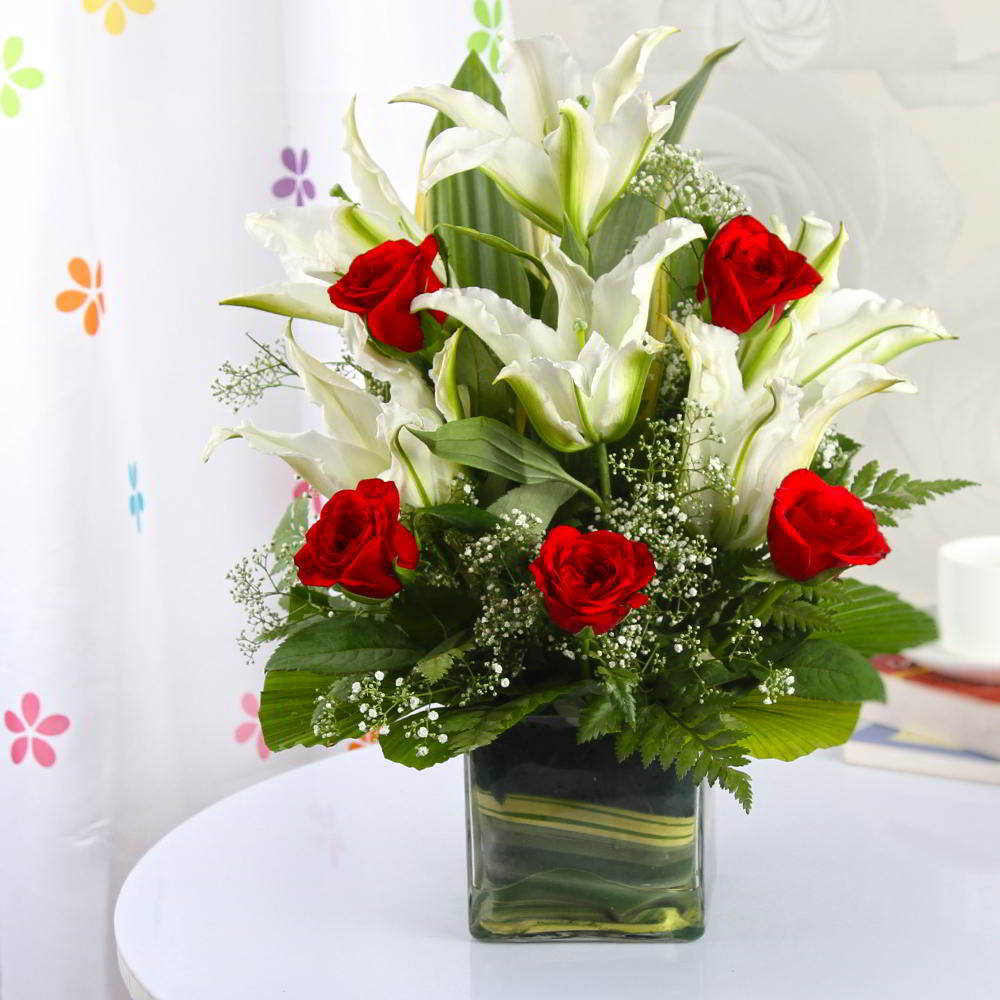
column 487, row 40
column 25, row 78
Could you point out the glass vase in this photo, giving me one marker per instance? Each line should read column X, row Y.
column 565, row 842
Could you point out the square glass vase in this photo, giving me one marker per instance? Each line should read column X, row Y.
column 566, row 842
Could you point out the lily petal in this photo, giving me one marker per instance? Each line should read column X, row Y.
column 574, row 294
column 859, row 326
column 521, row 170
column 461, row 106
column 325, row 463
column 580, row 163
column 621, row 296
column 376, row 190
column 547, row 391
column 617, row 81
column 617, row 383
column 537, row 73
column 296, row 299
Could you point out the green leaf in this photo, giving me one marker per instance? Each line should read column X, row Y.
column 436, row 664
column 287, row 704
column 476, row 368
column 468, row 728
column 687, row 95
column 833, row 672
column 872, row 620
column 431, row 614
column 13, row 49
column 472, row 200
column 629, row 217
column 792, row 727
column 488, row 445
column 461, row 517
column 482, row 13
column 540, row 499
column 345, row 646
column 599, row 717
column 800, row 616
column 497, row 242
column 864, row 478
column 478, row 41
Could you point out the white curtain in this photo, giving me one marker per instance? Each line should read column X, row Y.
column 135, row 136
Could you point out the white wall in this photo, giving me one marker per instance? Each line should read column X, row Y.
column 886, row 115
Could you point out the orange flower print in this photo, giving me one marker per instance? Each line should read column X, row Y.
column 89, row 292
column 114, row 12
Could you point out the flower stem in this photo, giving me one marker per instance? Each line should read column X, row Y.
column 603, row 472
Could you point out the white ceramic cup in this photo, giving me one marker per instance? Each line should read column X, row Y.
column 969, row 598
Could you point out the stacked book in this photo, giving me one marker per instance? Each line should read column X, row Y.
column 931, row 723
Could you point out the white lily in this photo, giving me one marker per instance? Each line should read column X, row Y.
column 317, row 243
column 772, row 397
column 363, row 438
column 552, row 154
column 582, row 382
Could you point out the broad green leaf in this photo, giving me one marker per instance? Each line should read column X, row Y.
column 467, row 728
column 476, row 367
column 472, row 200
column 287, row 704
column 872, row 620
column 429, row 615
column 687, row 95
column 497, row 242
column 345, row 646
column 460, row 516
column 792, row 727
column 833, row 672
column 629, row 217
column 540, row 499
column 482, row 443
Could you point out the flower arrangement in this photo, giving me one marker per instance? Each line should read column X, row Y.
column 575, row 442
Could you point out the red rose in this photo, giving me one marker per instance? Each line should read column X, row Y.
column 747, row 270
column 814, row 527
column 591, row 578
column 358, row 541
column 380, row 285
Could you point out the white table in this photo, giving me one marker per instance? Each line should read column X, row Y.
column 346, row 878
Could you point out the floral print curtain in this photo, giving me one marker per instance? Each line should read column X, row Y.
column 135, row 136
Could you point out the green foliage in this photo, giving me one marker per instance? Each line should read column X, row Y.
column 599, row 717
column 873, row 620
column 830, row 671
column 497, row 242
column 476, row 368
column 473, row 201
column 486, row 444
column 345, row 645
column 701, row 744
column 893, row 491
column 430, row 613
column 792, row 727
column 687, row 95
column 540, row 499
column 460, row 516
column 287, row 704
column 469, row 728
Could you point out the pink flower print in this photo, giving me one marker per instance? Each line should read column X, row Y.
column 297, row 184
column 302, row 488
column 31, row 731
column 246, row 731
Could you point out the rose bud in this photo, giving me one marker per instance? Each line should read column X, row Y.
column 591, row 578
column 358, row 541
column 815, row 527
column 381, row 283
column 748, row 270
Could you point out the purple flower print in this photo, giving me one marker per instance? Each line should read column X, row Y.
column 297, row 184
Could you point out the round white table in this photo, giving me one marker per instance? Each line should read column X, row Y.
column 346, row 878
